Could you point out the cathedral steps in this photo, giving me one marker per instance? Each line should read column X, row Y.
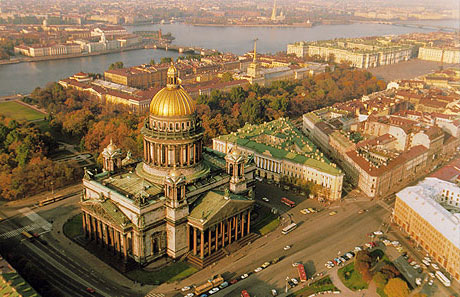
column 199, row 263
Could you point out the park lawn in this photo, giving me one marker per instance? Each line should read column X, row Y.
column 321, row 285
column 351, row 278
column 73, row 227
column 17, row 111
column 267, row 224
column 171, row 273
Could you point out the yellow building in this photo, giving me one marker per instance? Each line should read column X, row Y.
column 430, row 213
column 143, row 77
column 445, row 55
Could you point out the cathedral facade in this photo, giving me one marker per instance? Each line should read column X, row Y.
column 181, row 200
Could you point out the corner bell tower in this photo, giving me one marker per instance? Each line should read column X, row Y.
column 176, row 214
column 235, row 168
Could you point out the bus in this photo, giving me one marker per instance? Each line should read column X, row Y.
column 211, row 283
column 245, row 293
column 302, row 274
column 289, row 228
column 27, row 235
column 288, row 202
column 443, row 279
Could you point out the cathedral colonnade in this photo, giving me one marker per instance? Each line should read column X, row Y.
column 106, row 235
column 170, row 155
column 204, row 243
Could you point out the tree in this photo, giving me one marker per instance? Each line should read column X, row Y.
column 396, row 287
column 363, row 262
column 152, row 61
column 116, row 65
column 227, row 76
column 166, row 60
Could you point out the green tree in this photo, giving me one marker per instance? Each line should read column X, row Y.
column 396, row 287
column 152, row 61
column 116, row 65
column 227, row 76
column 165, row 60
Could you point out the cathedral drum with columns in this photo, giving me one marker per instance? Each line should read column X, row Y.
column 181, row 200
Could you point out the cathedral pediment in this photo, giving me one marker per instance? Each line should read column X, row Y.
column 217, row 206
column 106, row 211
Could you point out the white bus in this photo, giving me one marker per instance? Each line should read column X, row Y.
column 289, row 228
column 443, row 279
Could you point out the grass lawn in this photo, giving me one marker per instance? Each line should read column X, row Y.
column 18, row 111
column 73, row 227
column 351, row 278
column 267, row 224
column 324, row 284
column 171, row 273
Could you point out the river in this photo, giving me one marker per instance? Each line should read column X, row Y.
column 25, row 77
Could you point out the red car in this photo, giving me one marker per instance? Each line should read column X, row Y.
column 233, row 281
column 90, row 290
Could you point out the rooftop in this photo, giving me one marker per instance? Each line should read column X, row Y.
column 281, row 140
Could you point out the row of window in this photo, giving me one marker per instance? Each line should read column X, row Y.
column 172, row 126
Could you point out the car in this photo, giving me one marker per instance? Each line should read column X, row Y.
column 186, row 288
column 312, row 210
column 400, row 249
column 305, row 211
column 190, row 295
column 258, row 269
column 233, row 281
column 436, row 267
column 295, row 264
column 416, row 266
column 333, row 213
column 395, row 243
column 358, row 248
column 265, row 199
column 386, row 242
column 350, row 255
column 291, row 284
column 265, row 265
column 430, row 282
column 427, row 258
column 431, row 274
column 287, row 247
column 295, row 281
column 337, row 260
column 362, row 211
column 368, row 245
column 426, row 262
column 274, row 292
column 213, row 291
column 203, row 295
column 342, row 259
column 329, row 265
column 378, row 232
column 413, row 263
column 90, row 290
column 244, row 276
column 418, row 281
column 223, row 285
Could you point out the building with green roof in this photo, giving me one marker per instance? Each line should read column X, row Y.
column 12, row 284
column 280, row 149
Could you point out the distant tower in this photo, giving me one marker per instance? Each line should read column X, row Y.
column 103, row 38
column 253, row 69
column 159, row 34
column 273, row 18
column 176, row 214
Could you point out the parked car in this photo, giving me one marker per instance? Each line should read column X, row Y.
column 190, row 295
column 213, row 291
column 287, row 247
column 435, row 266
column 258, row 269
column 312, row 210
column 295, row 281
column 265, row 199
column 274, row 292
column 430, row 282
column 291, row 284
column 358, row 248
column 265, row 265
column 90, row 290
column 426, row 262
column 418, row 281
column 223, row 285
column 233, row 281
column 295, row 264
column 395, row 243
column 304, row 211
column 244, row 276
column 185, row 289
column 378, row 232
column 333, row 213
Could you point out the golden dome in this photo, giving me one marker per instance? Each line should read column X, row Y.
column 172, row 100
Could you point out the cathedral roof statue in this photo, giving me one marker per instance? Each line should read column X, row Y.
column 172, row 100
column 111, row 150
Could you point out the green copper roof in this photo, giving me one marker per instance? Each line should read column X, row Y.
column 281, row 140
column 213, row 207
column 12, row 284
